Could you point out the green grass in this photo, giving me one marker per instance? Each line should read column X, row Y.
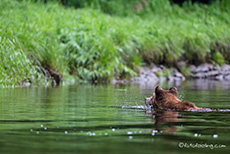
column 95, row 46
column 15, row 67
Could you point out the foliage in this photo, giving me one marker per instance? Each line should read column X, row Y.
column 96, row 46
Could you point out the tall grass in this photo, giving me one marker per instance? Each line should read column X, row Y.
column 15, row 67
column 95, row 46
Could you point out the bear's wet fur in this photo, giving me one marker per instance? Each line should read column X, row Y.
column 168, row 100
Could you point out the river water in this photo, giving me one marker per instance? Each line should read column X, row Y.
column 86, row 118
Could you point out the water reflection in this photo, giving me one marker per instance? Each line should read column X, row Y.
column 162, row 118
column 199, row 84
column 202, row 84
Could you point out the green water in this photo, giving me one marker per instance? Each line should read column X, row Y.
column 90, row 119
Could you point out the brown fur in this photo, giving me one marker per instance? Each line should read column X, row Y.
column 168, row 99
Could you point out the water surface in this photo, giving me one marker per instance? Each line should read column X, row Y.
column 90, row 119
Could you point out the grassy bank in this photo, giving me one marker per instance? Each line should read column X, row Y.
column 95, row 46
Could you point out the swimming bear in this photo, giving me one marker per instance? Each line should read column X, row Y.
column 168, row 100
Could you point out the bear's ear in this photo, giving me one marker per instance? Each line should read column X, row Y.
column 173, row 90
column 159, row 92
column 158, row 89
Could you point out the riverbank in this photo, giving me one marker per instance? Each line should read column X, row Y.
column 160, row 73
column 48, row 43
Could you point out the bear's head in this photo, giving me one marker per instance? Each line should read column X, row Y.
column 162, row 96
